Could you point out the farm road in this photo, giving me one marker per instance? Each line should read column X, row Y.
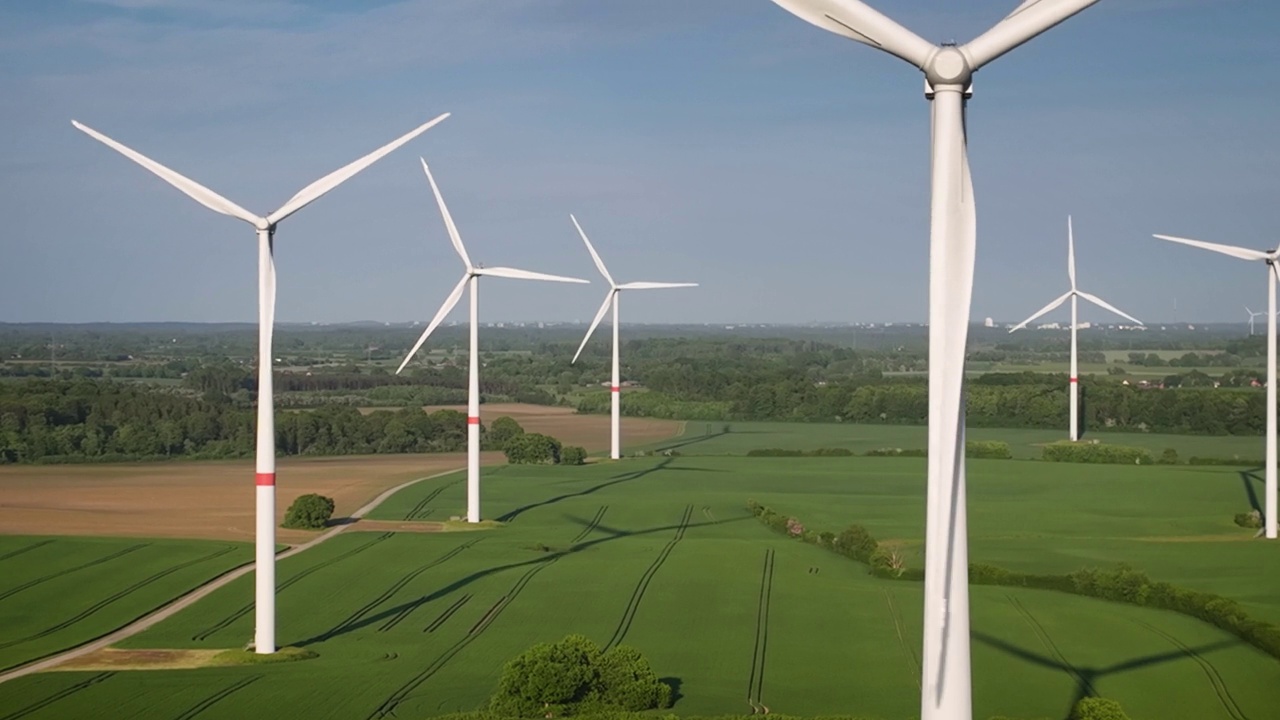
column 167, row 611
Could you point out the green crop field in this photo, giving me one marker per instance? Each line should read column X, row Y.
column 56, row 593
column 660, row 553
column 738, row 438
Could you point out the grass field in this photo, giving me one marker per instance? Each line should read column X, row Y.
column 57, row 593
column 712, row 438
column 660, row 553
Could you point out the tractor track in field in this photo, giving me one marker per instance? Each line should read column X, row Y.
column 61, row 694
column 633, row 604
column 394, row 588
column 755, row 683
column 68, row 571
column 591, row 526
column 417, row 513
column 448, row 612
column 248, row 607
column 912, row 658
column 389, row 705
column 217, row 697
column 116, row 596
column 182, row 602
column 1215, row 678
column 24, row 549
column 1051, row 646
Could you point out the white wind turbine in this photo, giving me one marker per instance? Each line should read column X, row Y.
column 471, row 276
column 945, row 691
column 1269, row 257
column 264, row 638
column 611, row 300
column 1074, row 294
column 1252, row 315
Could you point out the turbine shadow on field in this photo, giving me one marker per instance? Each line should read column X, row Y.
column 725, row 429
column 1085, row 677
column 1249, row 477
column 615, row 480
column 378, row 618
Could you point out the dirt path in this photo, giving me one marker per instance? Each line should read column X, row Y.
column 185, row 601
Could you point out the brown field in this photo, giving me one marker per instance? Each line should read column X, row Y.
column 215, row 500
column 570, row 428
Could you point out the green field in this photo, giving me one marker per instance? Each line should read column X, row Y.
column 56, row 593
column 661, row 554
column 738, row 438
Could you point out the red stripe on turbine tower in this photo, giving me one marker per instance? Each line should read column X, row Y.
column 615, row 388
column 265, row 479
column 473, row 420
column 1075, row 380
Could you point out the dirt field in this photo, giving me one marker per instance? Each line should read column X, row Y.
column 570, row 428
column 193, row 500
column 215, row 499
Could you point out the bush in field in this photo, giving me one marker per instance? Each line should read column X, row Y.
column 1169, row 457
column 502, row 430
column 309, row 512
column 573, row 676
column 532, row 449
column 573, row 455
column 989, row 449
column 1097, row 453
column 1095, row 708
column 1251, row 520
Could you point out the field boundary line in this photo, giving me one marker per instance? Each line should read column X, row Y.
column 633, row 603
column 1215, row 678
column 67, row 571
column 61, row 694
column 25, row 549
column 1043, row 636
column 181, row 603
column 896, row 616
column 755, row 684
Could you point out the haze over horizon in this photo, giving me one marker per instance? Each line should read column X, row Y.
column 720, row 142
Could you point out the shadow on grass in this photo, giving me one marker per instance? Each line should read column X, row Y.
column 1086, row 677
column 615, row 480
column 546, row 557
column 1249, row 478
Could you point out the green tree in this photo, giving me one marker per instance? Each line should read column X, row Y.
column 573, row 455
column 532, row 449
column 502, row 430
column 309, row 512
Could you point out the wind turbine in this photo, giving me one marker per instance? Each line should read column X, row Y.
column 1252, row 315
column 264, row 638
column 1074, row 294
column 1269, row 257
column 611, row 300
column 945, row 690
column 470, row 277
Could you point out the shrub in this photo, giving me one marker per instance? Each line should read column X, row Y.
column 532, row 449
column 1097, row 453
column 1233, row 461
column 896, row 452
column 989, row 449
column 502, row 430
column 573, row 455
column 1251, row 520
column 831, row 452
column 1168, row 457
column 1096, row 708
column 573, row 675
column 309, row 512
column 774, row 452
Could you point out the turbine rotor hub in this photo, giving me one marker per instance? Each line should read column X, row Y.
column 949, row 66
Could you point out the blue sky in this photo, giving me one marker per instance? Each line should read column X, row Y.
column 719, row 141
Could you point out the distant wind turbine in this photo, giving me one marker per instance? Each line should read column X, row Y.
column 265, row 452
column 1269, row 257
column 470, row 277
column 611, row 300
column 1252, row 315
column 946, row 687
column 1073, row 294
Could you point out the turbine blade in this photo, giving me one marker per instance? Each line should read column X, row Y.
column 1237, row 252
column 1107, row 306
column 449, row 303
column 507, row 272
column 594, row 255
column 654, row 285
column 858, row 21
column 448, row 218
column 1047, row 308
column 1027, row 21
column 189, row 187
column 315, row 190
column 1071, row 254
column 608, row 298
